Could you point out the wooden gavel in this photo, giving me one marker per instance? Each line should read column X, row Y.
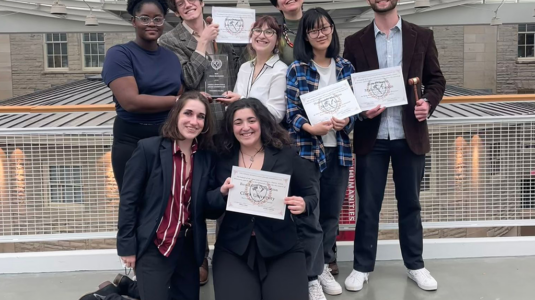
column 414, row 82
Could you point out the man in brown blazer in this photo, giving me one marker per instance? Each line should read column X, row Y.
column 397, row 134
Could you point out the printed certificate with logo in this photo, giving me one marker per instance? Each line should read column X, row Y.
column 336, row 100
column 258, row 193
column 379, row 87
column 234, row 24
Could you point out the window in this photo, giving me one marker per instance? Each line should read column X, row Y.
column 65, row 184
column 426, row 181
column 526, row 40
column 495, row 158
column 93, row 49
column 56, row 51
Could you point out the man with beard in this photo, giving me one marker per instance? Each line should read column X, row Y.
column 399, row 134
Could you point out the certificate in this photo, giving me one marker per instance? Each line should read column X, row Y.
column 234, row 24
column 336, row 100
column 379, row 87
column 258, row 193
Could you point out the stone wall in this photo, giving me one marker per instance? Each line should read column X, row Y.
column 450, row 46
column 6, row 84
column 28, row 61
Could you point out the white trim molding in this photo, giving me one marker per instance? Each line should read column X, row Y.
column 107, row 260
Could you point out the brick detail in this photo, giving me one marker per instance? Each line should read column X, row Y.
column 450, row 46
column 511, row 75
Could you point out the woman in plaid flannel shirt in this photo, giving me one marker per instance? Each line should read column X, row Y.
column 318, row 64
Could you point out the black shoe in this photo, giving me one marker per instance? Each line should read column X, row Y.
column 102, row 292
column 122, row 282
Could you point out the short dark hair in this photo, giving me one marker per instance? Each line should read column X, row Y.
column 274, row 2
column 173, row 7
column 312, row 18
column 271, row 22
column 134, row 6
column 272, row 135
column 170, row 128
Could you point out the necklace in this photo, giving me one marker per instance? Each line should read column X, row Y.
column 285, row 31
column 250, row 159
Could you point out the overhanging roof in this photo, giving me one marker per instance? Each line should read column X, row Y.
column 94, row 91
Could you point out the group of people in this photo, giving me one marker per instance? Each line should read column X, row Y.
column 174, row 147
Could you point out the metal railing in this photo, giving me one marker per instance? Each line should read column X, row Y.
column 57, row 183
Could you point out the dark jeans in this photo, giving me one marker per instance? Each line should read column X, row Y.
column 371, row 175
column 173, row 277
column 125, row 138
column 333, row 186
column 252, row 277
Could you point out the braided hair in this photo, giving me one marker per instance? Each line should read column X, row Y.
column 134, row 6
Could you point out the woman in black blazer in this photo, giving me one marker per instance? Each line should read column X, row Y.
column 256, row 257
column 162, row 229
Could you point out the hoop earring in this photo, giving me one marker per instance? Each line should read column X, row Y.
column 203, row 132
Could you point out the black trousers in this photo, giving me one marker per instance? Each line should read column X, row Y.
column 371, row 175
column 251, row 277
column 333, row 186
column 125, row 138
column 131, row 291
column 173, row 277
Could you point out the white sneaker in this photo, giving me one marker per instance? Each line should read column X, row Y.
column 328, row 283
column 423, row 279
column 355, row 281
column 314, row 291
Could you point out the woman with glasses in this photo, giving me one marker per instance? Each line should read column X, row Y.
column 318, row 65
column 145, row 80
column 263, row 77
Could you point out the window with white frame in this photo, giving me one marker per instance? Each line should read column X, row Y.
column 526, row 40
column 93, row 50
column 66, row 184
column 56, row 51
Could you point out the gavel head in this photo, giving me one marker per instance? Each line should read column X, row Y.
column 414, row 81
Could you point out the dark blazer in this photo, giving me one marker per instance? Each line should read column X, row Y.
column 146, row 191
column 273, row 236
column 420, row 59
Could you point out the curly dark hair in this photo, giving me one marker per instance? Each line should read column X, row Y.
column 134, row 6
column 272, row 135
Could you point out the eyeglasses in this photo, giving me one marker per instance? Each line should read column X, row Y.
column 267, row 32
column 316, row 32
column 182, row 3
column 157, row 21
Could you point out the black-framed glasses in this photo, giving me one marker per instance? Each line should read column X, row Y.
column 182, row 3
column 267, row 32
column 157, row 21
column 316, row 32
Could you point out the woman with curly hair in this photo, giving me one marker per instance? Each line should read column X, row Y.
column 257, row 257
column 145, row 80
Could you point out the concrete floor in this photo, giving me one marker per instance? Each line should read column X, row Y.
column 461, row 279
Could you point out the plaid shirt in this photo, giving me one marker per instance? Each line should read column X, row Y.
column 301, row 79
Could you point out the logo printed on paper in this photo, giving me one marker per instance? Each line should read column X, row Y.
column 216, row 64
column 234, row 25
column 258, row 192
column 331, row 104
column 379, row 89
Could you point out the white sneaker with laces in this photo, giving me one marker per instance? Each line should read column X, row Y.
column 355, row 281
column 314, row 291
column 328, row 283
column 423, row 279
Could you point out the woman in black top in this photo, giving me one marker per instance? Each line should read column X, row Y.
column 257, row 257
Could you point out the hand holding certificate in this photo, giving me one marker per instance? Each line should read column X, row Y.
column 383, row 87
column 258, row 193
column 336, row 100
column 234, row 24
